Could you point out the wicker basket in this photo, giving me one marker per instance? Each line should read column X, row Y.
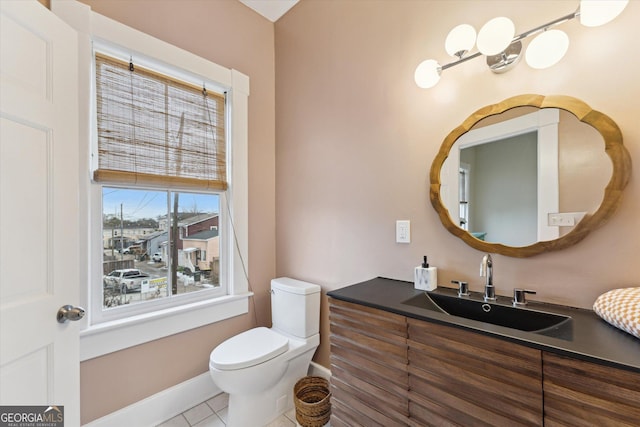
column 312, row 398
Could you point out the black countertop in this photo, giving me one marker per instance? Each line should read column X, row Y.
column 586, row 336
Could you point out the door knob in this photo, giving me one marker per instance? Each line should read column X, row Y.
column 69, row 312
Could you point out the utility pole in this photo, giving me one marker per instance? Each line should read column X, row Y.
column 121, row 234
column 174, row 226
column 174, row 245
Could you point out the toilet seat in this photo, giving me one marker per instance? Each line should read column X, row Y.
column 247, row 349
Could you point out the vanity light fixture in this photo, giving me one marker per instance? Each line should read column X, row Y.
column 497, row 41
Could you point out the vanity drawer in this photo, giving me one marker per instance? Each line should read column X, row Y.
column 369, row 380
column 458, row 376
column 583, row 393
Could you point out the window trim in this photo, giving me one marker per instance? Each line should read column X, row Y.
column 95, row 28
column 120, row 334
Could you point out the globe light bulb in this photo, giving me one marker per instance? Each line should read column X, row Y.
column 547, row 49
column 427, row 73
column 495, row 36
column 594, row 13
column 460, row 40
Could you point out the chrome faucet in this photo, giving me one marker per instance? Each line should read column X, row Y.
column 519, row 297
column 486, row 269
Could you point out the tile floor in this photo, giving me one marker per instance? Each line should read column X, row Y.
column 213, row 413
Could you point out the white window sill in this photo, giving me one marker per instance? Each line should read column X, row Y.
column 104, row 338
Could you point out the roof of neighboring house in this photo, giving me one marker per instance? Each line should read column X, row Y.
column 185, row 216
column 203, row 235
column 153, row 235
column 196, row 219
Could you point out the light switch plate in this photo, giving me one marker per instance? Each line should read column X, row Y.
column 403, row 231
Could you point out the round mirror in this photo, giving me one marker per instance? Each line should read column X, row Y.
column 529, row 174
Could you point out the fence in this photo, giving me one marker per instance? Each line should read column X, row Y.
column 109, row 266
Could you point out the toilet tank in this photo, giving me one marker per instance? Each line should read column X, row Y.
column 295, row 307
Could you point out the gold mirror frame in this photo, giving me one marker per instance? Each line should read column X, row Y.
column 613, row 192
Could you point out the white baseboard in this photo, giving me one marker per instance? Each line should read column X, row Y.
column 162, row 406
column 168, row 403
column 319, row 371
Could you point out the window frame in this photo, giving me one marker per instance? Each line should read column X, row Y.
column 97, row 339
column 98, row 313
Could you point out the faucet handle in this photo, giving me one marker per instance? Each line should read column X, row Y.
column 463, row 288
column 519, row 296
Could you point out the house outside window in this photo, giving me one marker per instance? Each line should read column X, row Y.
column 137, row 211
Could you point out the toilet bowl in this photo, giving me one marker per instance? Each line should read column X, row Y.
column 259, row 367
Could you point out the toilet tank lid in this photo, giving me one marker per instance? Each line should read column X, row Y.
column 294, row 286
column 249, row 348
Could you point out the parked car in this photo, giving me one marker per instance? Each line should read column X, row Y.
column 127, row 280
column 157, row 257
column 133, row 249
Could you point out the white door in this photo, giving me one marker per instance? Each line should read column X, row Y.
column 39, row 191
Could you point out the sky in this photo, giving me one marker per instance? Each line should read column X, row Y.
column 137, row 204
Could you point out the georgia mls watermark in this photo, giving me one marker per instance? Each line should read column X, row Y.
column 32, row 416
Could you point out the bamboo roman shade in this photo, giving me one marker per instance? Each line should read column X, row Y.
column 157, row 131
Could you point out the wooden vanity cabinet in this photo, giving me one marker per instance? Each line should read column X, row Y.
column 458, row 377
column 390, row 370
column 369, row 380
column 579, row 393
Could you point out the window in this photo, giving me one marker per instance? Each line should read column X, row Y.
column 162, row 169
column 463, row 194
column 179, row 266
column 107, row 330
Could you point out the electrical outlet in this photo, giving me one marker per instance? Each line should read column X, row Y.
column 403, row 231
column 561, row 220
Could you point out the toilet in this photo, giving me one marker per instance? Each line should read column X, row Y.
column 259, row 367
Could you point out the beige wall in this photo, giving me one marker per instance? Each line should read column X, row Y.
column 356, row 138
column 232, row 35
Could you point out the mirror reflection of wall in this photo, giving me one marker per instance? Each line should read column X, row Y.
column 513, row 183
column 503, row 196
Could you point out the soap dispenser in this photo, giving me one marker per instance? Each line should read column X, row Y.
column 426, row 278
